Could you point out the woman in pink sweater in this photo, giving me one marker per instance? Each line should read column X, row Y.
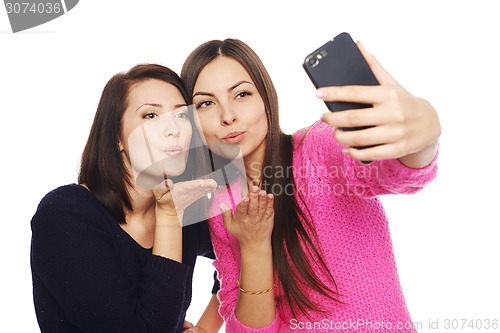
column 306, row 243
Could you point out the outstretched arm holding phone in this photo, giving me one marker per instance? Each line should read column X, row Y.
column 404, row 126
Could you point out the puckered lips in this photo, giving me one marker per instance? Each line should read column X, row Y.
column 234, row 137
column 173, row 150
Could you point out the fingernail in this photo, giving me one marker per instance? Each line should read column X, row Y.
column 222, row 209
column 320, row 94
column 322, row 118
column 345, row 150
column 255, row 189
column 246, row 200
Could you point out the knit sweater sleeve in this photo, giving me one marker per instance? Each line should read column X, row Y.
column 377, row 178
column 73, row 256
column 227, row 264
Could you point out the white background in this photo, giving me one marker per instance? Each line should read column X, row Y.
column 446, row 237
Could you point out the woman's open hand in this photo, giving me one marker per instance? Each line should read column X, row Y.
column 253, row 220
column 404, row 126
column 172, row 199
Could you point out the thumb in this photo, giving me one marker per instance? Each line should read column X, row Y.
column 226, row 215
column 160, row 189
column 383, row 76
column 187, row 324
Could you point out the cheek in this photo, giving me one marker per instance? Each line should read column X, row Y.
column 260, row 120
column 187, row 133
column 127, row 129
column 209, row 125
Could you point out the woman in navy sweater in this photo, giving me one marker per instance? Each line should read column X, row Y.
column 108, row 255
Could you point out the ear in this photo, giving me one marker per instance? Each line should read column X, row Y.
column 120, row 146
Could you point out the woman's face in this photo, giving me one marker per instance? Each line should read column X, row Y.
column 156, row 131
column 230, row 108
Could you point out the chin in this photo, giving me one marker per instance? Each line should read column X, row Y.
column 174, row 173
column 155, row 174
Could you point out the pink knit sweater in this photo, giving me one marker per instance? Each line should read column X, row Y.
column 353, row 233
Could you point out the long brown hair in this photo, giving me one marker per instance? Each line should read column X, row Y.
column 288, row 227
column 102, row 168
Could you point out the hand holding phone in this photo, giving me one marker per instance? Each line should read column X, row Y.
column 399, row 125
column 339, row 63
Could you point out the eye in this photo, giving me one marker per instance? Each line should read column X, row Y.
column 243, row 94
column 204, row 104
column 150, row 115
column 182, row 115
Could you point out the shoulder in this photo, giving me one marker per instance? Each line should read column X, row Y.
column 315, row 142
column 315, row 134
column 69, row 203
column 68, row 196
column 69, row 192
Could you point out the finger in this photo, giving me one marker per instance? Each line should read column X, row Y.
column 195, row 189
column 382, row 152
column 241, row 211
column 162, row 188
column 226, row 215
column 209, row 183
column 187, row 324
column 254, row 203
column 371, row 136
column 200, row 184
column 356, row 118
column 270, row 206
column 382, row 75
column 354, row 94
column 202, row 187
column 261, row 211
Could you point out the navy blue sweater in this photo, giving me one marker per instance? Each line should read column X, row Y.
column 89, row 275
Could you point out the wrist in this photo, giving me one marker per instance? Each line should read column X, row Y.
column 201, row 329
column 421, row 158
column 166, row 219
column 256, row 248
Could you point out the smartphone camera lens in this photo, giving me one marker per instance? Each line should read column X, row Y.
column 312, row 61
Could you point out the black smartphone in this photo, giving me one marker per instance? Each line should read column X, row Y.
column 339, row 63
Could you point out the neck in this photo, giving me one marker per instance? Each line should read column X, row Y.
column 143, row 201
column 143, row 204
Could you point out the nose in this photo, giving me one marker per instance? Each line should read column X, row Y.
column 228, row 116
column 171, row 129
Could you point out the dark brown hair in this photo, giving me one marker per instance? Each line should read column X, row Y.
column 288, row 227
column 102, row 167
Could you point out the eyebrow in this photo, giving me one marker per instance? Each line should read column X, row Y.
column 150, row 104
column 156, row 105
column 238, row 84
column 228, row 90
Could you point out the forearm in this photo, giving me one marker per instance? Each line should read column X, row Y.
column 256, row 274
column 211, row 321
column 168, row 237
